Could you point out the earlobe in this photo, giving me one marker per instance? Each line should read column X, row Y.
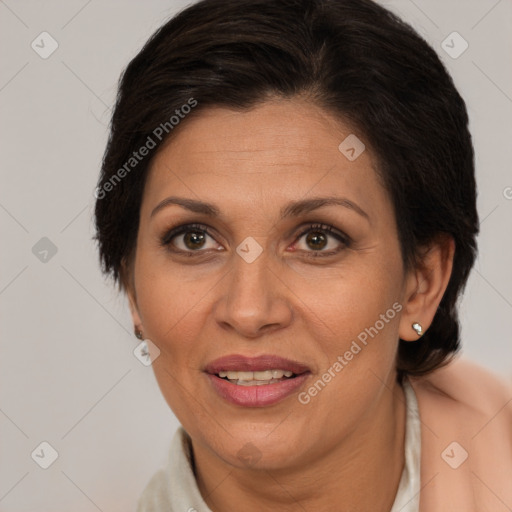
column 418, row 328
column 425, row 287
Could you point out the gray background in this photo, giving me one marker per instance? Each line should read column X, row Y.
column 68, row 373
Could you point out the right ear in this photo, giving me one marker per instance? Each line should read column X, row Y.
column 128, row 285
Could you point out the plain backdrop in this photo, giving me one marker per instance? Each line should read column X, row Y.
column 68, row 373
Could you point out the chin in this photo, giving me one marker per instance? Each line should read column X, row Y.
column 258, row 446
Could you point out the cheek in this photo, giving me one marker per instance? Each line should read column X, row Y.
column 171, row 301
column 354, row 327
column 171, row 307
column 347, row 300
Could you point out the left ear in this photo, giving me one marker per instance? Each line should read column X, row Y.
column 425, row 285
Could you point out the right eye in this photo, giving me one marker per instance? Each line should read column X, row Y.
column 189, row 238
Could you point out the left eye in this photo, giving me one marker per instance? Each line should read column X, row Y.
column 317, row 238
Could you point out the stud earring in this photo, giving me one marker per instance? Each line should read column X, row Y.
column 138, row 334
column 417, row 328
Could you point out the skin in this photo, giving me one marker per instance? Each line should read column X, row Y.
column 349, row 439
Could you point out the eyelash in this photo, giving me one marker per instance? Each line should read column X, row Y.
column 201, row 228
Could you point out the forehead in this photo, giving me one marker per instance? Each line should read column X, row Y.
column 278, row 151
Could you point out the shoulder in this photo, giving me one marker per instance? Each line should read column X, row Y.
column 466, row 438
column 154, row 497
column 174, row 487
column 461, row 375
column 466, row 385
column 465, row 394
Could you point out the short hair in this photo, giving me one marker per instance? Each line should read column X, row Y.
column 352, row 58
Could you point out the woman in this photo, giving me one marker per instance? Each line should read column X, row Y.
column 288, row 200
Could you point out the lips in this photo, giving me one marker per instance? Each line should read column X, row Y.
column 254, row 364
column 252, row 393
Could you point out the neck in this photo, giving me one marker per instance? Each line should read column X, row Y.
column 361, row 473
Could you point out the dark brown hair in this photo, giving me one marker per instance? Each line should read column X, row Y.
column 352, row 58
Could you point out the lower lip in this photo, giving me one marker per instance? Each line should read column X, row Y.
column 256, row 396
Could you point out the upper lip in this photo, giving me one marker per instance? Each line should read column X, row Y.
column 237, row 362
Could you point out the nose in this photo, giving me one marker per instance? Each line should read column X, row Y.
column 254, row 300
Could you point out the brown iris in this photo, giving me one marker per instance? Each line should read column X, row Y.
column 194, row 239
column 316, row 239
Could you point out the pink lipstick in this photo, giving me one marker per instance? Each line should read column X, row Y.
column 255, row 381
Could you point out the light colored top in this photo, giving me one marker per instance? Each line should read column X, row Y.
column 174, row 489
column 408, row 496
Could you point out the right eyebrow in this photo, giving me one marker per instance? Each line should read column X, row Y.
column 189, row 204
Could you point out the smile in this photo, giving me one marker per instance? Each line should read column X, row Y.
column 255, row 382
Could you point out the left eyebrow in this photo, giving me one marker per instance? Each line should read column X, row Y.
column 297, row 208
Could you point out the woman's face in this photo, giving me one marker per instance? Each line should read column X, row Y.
column 268, row 280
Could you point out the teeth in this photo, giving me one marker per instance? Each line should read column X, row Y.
column 255, row 382
column 263, row 377
column 266, row 375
